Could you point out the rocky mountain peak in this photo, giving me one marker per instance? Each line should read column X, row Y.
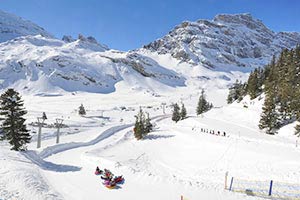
column 229, row 40
column 245, row 19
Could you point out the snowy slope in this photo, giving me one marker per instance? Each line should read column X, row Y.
column 12, row 26
column 175, row 159
column 36, row 64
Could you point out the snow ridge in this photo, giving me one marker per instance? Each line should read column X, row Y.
column 13, row 26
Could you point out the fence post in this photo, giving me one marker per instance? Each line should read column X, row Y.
column 270, row 189
column 226, row 175
column 231, row 182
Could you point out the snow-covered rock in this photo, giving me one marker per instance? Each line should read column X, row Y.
column 12, row 26
column 227, row 40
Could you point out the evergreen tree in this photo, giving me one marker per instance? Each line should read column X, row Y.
column 297, row 130
column 81, row 110
column 203, row 104
column 139, row 125
column 183, row 112
column 148, row 125
column 13, row 126
column 236, row 92
column 269, row 117
column 176, row 114
column 254, row 83
column 142, row 126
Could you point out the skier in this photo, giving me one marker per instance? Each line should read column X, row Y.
column 218, row 132
column 224, row 134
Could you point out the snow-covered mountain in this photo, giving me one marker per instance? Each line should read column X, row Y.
column 227, row 40
column 12, row 26
column 202, row 54
column 38, row 64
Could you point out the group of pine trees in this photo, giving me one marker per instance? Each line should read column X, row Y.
column 202, row 107
column 142, row 125
column 236, row 92
column 13, row 123
column 178, row 113
column 279, row 81
column 282, row 91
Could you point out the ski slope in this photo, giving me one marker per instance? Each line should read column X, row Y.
column 175, row 159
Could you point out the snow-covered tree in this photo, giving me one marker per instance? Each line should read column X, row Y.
column 81, row 110
column 13, row 125
column 176, row 113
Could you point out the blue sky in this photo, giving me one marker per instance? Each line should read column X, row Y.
column 129, row 24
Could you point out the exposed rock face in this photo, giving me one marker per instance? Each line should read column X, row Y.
column 227, row 40
column 67, row 38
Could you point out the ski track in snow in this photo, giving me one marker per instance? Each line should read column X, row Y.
column 38, row 158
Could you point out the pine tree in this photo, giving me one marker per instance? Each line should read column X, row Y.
column 252, row 86
column 269, row 117
column 137, row 130
column 148, row 125
column 182, row 112
column 13, row 126
column 176, row 114
column 203, row 104
column 236, row 92
column 297, row 129
column 81, row 110
column 139, row 125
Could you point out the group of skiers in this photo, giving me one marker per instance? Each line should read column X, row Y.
column 213, row 132
column 109, row 180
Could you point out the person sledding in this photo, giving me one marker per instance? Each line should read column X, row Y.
column 119, row 179
column 98, row 171
column 107, row 175
column 110, row 184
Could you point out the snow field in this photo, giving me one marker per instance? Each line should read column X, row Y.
column 174, row 159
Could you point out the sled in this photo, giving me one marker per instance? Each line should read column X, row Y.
column 119, row 179
column 105, row 178
column 98, row 173
column 110, row 186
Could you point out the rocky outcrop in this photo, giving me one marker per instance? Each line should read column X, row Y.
column 227, row 40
